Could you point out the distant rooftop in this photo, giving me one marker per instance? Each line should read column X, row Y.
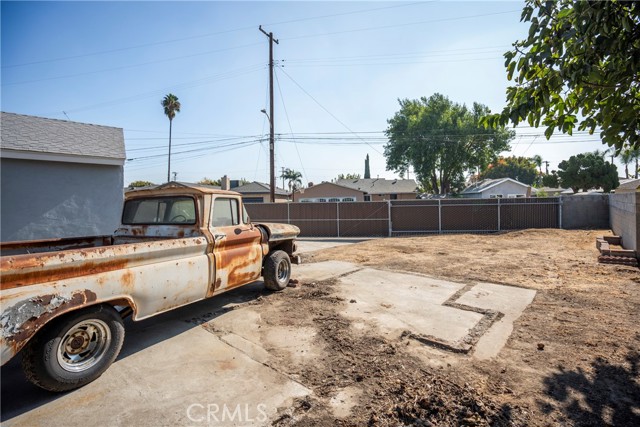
column 380, row 185
column 485, row 184
column 31, row 135
column 256, row 187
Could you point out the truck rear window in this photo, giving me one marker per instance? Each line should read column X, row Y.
column 160, row 210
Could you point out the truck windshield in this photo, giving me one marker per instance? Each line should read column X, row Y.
column 159, row 210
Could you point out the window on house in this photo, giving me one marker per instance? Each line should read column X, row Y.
column 225, row 212
column 393, row 197
column 322, row 200
column 334, row 199
column 348, row 199
column 495, row 196
column 367, row 198
column 253, row 199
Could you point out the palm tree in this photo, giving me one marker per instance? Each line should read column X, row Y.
column 171, row 107
column 293, row 177
column 626, row 157
column 538, row 161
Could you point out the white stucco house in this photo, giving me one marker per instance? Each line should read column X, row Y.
column 59, row 178
column 497, row 188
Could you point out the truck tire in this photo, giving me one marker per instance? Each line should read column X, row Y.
column 277, row 271
column 74, row 350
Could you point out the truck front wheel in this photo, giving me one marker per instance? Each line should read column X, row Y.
column 277, row 271
column 74, row 350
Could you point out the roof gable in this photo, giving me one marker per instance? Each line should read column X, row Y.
column 486, row 184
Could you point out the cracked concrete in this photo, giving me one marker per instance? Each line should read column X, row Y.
column 175, row 371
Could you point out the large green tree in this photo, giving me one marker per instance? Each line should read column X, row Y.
column 521, row 169
column 586, row 171
column 441, row 140
column 171, row 106
column 579, row 65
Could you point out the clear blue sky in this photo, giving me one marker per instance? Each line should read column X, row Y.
column 341, row 68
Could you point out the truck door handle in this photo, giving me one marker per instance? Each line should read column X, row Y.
column 218, row 237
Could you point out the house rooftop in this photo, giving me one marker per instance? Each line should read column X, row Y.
column 256, row 187
column 39, row 135
column 380, row 185
column 486, row 184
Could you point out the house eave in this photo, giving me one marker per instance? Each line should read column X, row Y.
column 57, row 157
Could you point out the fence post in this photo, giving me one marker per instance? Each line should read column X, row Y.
column 560, row 212
column 389, row 217
column 338, row 217
column 439, row 216
column 499, row 214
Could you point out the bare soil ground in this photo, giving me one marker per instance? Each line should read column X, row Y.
column 573, row 357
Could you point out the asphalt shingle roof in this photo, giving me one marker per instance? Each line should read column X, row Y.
column 41, row 135
column 256, row 187
column 380, row 185
column 480, row 186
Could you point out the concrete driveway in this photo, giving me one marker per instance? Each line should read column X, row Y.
column 217, row 362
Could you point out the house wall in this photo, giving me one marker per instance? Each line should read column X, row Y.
column 506, row 188
column 265, row 197
column 44, row 200
column 590, row 211
column 328, row 190
column 624, row 208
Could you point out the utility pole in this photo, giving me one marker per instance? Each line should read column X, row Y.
column 175, row 175
column 272, row 181
column 546, row 166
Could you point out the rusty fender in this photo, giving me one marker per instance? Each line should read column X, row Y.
column 22, row 320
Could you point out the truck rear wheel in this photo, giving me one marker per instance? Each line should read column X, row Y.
column 74, row 350
column 277, row 271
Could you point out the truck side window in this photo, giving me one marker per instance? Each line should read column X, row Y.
column 225, row 212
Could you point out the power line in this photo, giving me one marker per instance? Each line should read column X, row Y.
column 380, row 27
column 217, row 33
column 328, row 112
column 290, row 128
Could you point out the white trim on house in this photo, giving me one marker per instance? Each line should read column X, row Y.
column 53, row 157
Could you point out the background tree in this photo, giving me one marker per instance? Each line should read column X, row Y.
column 628, row 157
column 348, row 176
column 208, row 181
column 587, row 171
column 441, row 140
column 580, row 58
column 367, row 169
column 521, row 169
column 171, row 106
column 551, row 180
column 140, row 183
column 294, row 180
column 537, row 159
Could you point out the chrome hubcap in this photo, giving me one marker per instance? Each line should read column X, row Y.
column 283, row 271
column 84, row 345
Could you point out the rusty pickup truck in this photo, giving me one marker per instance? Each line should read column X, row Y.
column 63, row 301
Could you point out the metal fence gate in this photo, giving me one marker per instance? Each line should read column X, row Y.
column 412, row 217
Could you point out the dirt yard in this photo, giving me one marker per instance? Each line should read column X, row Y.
column 573, row 357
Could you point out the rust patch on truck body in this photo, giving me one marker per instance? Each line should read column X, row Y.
column 22, row 320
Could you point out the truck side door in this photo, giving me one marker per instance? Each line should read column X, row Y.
column 237, row 251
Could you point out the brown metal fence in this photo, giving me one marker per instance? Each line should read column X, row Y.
column 409, row 217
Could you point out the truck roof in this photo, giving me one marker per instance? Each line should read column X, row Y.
column 173, row 188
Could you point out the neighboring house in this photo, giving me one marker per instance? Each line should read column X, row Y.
column 256, row 192
column 497, row 188
column 59, row 178
column 551, row 192
column 360, row 190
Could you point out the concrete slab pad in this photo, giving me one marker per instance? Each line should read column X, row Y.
column 509, row 300
column 397, row 302
column 316, row 272
column 311, row 244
